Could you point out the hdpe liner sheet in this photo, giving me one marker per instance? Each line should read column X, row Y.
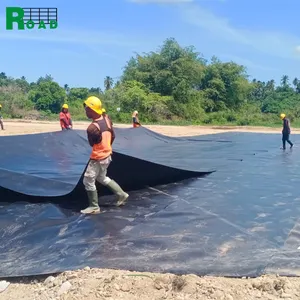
column 51, row 164
column 241, row 220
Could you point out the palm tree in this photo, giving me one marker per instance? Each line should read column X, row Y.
column 108, row 83
column 3, row 75
column 296, row 82
column 285, row 80
column 67, row 88
column 271, row 85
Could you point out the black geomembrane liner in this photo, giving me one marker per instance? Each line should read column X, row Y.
column 225, row 204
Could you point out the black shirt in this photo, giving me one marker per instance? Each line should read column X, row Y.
column 286, row 126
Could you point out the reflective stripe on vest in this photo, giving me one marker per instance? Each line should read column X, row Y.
column 103, row 149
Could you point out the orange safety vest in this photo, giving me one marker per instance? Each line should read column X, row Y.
column 103, row 149
column 66, row 117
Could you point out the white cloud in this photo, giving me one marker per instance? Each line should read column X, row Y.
column 161, row 1
column 247, row 62
column 275, row 43
column 63, row 36
column 88, row 38
column 297, row 49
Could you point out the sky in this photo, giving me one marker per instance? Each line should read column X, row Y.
column 95, row 39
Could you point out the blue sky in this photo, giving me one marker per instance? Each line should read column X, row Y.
column 96, row 38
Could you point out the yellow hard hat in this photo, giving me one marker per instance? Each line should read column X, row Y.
column 65, row 106
column 0, row 105
column 282, row 116
column 103, row 110
column 94, row 104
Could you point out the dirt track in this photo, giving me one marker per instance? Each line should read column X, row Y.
column 95, row 284
column 28, row 127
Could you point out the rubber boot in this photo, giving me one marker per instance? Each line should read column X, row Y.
column 117, row 190
column 93, row 207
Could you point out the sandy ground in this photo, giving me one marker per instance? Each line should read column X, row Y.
column 95, row 284
column 13, row 127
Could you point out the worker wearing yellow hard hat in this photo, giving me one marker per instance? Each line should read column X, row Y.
column 65, row 118
column 1, row 118
column 286, row 131
column 101, row 136
column 104, row 114
column 135, row 119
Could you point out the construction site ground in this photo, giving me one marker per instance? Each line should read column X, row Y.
column 92, row 284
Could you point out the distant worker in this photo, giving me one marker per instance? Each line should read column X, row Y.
column 135, row 119
column 65, row 118
column 1, row 122
column 101, row 136
column 286, row 131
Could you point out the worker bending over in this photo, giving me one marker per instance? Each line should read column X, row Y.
column 101, row 136
column 1, row 122
column 286, row 131
column 65, row 118
column 135, row 119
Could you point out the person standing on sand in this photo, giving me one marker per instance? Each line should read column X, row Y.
column 65, row 118
column 101, row 136
column 286, row 131
column 135, row 119
column 1, row 122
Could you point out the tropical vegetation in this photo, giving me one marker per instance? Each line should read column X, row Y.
column 172, row 85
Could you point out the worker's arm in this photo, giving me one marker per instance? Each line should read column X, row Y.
column 63, row 118
column 113, row 135
column 94, row 135
column 136, row 120
column 286, row 126
column 110, row 120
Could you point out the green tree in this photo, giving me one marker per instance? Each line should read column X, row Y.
column 108, row 83
column 285, row 81
column 3, row 75
column 78, row 94
column 44, row 79
column 172, row 83
column 23, row 84
column 48, row 96
column 67, row 88
column 162, row 71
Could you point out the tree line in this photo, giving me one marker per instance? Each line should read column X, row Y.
column 173, row 84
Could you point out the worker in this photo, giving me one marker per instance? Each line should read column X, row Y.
column 1, row 122
column 135, row 119
column 65, row 118
column 104, row 114
column 286, row 131
column 101, row 136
